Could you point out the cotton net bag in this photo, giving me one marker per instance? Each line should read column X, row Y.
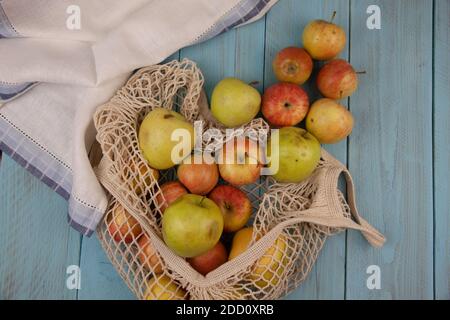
column 290, row 221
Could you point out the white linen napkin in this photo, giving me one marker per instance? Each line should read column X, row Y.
column 53, row 75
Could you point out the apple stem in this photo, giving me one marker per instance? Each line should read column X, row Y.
column 203, row 198
column 333, row 16
column 254, row 83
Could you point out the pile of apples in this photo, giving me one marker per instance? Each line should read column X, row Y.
column 287, row 104
column 196, row 209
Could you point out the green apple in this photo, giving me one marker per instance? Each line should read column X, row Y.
column 298, row 155
column 192, row 225
column 160, row 149
column 234, row 103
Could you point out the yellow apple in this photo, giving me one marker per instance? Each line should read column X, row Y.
column 238, row 293
column 329, row 121
column 241, row 241
column 162, row 287
column 234, row 102
column 298, row 155
column 165, row 138
column 270, row 267
column 323, row 40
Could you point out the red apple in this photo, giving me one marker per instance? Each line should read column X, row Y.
column 147, row 255
column 285, row 104
column 198, row 178
column 337, row 80
column 235, row 206
column 210, row 260
column 170, row 191
column 122, row 225
column 293, row 65
column 240, row 163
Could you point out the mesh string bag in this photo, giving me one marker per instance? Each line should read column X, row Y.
column 290, row 222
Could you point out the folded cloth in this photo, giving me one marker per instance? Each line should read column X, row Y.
column 61, row 59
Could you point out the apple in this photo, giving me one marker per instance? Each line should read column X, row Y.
column 147, row 255
column 210, row 260
column 323, row 40
column 235, row 206
column 298, row 155
column 156, row 142
column 329, row 121
column 239, row 293
column 161, row 287
column 170, row 191
column 293, row 65
column 270, row 267
column 122, row 226
column 285, row 104
column 337, row 79
column 240, row 163
column 198, row 178
column 241, row 242
column 234, row 102
column 192, row 225
column 143, row 173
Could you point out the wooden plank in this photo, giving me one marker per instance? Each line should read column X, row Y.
column 284, row 27
column 390, row 150
column 36, row 243
column 215, row 58
column 441, row 147
column 99, row 279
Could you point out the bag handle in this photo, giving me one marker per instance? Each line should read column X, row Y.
column 373, row 236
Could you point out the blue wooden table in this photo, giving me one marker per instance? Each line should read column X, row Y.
column 399, row 156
